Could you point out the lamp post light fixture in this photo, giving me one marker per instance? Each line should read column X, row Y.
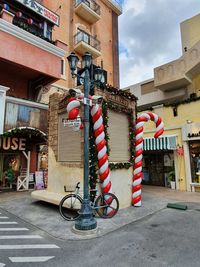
column 86, row 221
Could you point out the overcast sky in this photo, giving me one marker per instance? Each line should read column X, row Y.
column 149, row 35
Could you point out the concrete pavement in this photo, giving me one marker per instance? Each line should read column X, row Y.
column 46, row 217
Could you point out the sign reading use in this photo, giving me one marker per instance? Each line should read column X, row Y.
column 12, row 143
column 43, row 11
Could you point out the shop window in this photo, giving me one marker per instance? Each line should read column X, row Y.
column 195, row 160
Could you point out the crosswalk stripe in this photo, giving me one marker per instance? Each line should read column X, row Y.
column 2, row 264
column 19, row 237
column 8, row 223
column 13, row 229
column 31, row 259
column 3, row 217
column 28, row 246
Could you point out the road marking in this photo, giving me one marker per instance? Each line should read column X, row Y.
column 3, row 217
column 31, row 259
column 19, row 236
column 8, row 223
column 14, row 229
column 28, row 246
column 2, row 264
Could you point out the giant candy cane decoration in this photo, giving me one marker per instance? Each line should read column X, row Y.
column 104, row 171
column 137, row 174
column 96, row 112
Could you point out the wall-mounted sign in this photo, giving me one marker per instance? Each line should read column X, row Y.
column 12, row 143
column 191, row 131
column 41, row 10
column 75, row 124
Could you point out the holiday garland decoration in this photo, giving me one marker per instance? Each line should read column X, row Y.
column 137, row 174
column 25, row 131
column 106, row 105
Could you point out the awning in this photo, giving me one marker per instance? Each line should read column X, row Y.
column 161, row 143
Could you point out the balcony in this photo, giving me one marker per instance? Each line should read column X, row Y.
column 171, row 76
column 115, row 5
column 179, row 73
column 88, row 10
column 27, row 55
column 83, row 42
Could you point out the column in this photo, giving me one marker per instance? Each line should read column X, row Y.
column 3, row 91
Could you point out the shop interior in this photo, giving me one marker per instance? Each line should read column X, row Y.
column 157, row 165
column 194, row 147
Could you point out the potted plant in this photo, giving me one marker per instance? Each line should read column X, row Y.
column 171, row 179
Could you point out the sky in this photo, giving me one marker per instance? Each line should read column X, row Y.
column 149, row 36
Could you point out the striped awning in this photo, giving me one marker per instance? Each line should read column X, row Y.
column 161, row 143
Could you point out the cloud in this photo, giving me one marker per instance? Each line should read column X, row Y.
column 149, row 34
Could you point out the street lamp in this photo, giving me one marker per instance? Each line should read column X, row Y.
column 86, row 220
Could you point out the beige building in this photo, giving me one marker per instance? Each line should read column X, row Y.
column 174, row 94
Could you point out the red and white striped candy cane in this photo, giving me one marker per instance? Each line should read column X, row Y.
column 73, row 107
column 104, row 170
column 137, row 174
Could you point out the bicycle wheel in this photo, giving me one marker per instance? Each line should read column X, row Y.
column 69, row 207
column 107, row 205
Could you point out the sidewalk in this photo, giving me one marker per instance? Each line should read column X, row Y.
column 46, row 217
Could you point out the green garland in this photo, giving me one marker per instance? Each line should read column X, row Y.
column 116, row 91
column 25, row 131
column 176, row 103
column 109, row 105
column 93, row 160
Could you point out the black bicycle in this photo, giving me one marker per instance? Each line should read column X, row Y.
column 106, row 205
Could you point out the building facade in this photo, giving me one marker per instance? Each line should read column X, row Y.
column 36, row 37
column 174, row 95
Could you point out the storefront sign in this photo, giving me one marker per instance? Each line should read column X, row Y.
column 191, row 131
column 12, row 143
column 43, row 11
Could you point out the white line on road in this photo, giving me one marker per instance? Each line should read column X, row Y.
column 30, row 259
column 2, row 264
column 19, row 236
column 28, row 246
column 8, row 223
column 3, row 217
column 13, row 229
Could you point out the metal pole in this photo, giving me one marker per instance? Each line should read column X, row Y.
column 86, row 220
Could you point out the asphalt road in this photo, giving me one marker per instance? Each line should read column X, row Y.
column 170, row 237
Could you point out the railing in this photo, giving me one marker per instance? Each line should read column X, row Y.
column 40, row 28
column 90, row 3
column 85, row 37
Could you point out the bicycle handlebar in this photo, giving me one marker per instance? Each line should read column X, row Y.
column 77, row 185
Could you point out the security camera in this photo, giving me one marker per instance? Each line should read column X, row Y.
column 75, row 92
column 97, row 99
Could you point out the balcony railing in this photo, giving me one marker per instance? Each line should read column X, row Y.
column 37, row 26
column 88, row 39
column 90, row 3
